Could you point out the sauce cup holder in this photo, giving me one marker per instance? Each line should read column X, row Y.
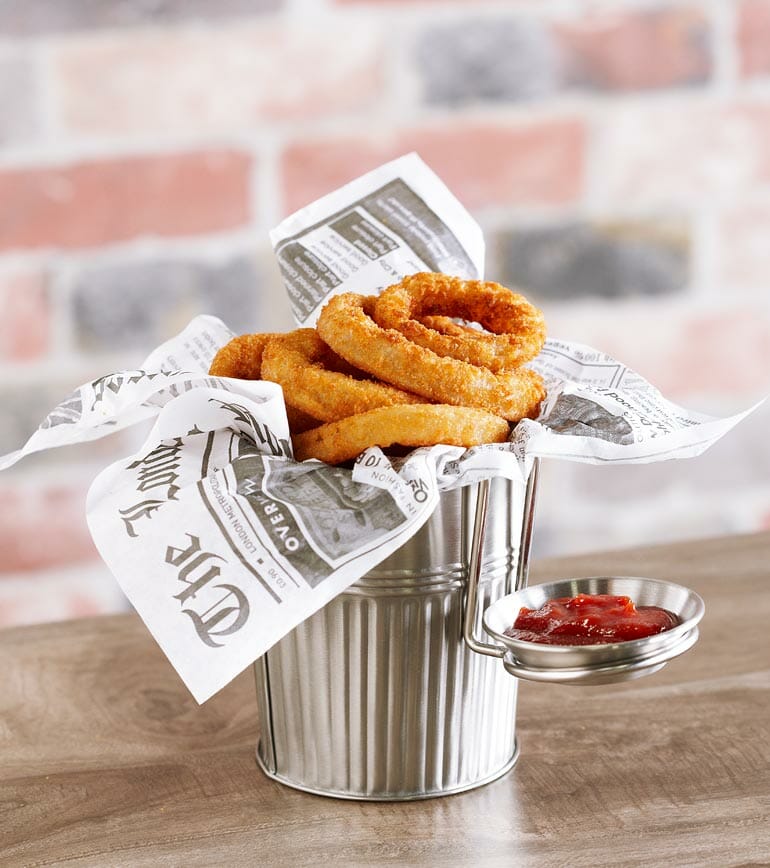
column 595, row 664
column 577, row 664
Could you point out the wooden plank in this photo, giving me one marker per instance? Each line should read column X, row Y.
column 106, row 760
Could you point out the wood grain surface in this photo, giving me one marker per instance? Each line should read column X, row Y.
column 105, row 759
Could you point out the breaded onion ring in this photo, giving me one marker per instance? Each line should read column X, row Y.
column 407, row 425
column 346, row 326
column 517, row 327
column 308, row 372
column 241, row 357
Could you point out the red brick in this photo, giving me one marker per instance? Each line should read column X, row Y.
column 215, row 79
column 514, row 164
column 43, row 527
column 722, row 353
column 753, row 35
column 95, row 203
column 24, row 317
column 672, row 153
column 637, row 50
column 720, row 356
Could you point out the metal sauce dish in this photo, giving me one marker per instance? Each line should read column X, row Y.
column 595, row 664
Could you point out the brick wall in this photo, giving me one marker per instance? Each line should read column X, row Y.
column 616, row 154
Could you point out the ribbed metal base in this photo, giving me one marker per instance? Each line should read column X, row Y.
column 376, row 696
column 391, row 797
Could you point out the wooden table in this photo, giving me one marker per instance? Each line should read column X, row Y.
column 106, row 760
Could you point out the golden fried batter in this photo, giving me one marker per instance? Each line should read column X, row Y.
column 407, row 425
column 421, row 305
column 241, row 357
column 318, row 382
column 346, row 325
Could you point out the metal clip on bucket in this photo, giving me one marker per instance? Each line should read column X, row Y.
column 476, row 554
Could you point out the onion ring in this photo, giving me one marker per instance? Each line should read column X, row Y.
column 304, row 366
column 346, row 326
column 241, row 357
column 405, row 424
column 517, row 327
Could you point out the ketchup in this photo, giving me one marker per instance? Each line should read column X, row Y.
column 590, row 619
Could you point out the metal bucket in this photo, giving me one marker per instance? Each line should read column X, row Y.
column 377, row 695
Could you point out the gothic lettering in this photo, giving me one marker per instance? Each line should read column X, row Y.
column 198, row 569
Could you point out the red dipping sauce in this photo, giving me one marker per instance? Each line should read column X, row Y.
column 590, row 619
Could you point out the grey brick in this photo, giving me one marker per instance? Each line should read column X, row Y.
column 502, row 59
column 27, row 17
column 139, row 305
column 583, row 260
column 486, row 59
column 26, row 405
column 20, row 100
column 24, row 408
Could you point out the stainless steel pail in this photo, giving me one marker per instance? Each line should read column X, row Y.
column 377, row 695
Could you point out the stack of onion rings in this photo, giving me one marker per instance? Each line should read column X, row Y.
column 400, row 369
column 346, row 326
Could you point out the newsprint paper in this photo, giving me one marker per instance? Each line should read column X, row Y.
column 221, row 541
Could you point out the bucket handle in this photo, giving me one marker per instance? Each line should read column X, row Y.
column 476, row 557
